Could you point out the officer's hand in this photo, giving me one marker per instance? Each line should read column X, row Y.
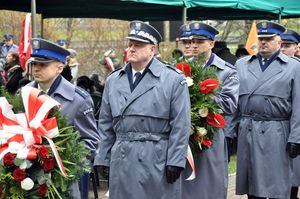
column 173, row 173
column 104, row 171
column 293, row 149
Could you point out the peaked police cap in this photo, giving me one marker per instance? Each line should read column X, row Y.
column 143, row 32
column 203, row 31
column 47, row 51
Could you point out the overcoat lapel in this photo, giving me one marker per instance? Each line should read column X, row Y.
column 273, row 69
column 123, row 87
column 147, row 83
column 254, row 69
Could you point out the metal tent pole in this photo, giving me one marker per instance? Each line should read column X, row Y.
column 184, row 12
column 33, row 15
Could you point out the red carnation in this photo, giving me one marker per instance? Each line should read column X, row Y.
column 1, row 192
column 216, row 120
column 206, row 142
column 8, row 159
column 185, row 68
column 48, row 164
column 43, row 188
column 19, row 174
column 208, row 85
column 43, row 152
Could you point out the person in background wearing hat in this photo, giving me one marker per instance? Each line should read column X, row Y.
column 212, row 165
column 269, row 130
column 109, row 61
column 66, row 73
column 297, row 54
column 241, row 51
column 290, row 40
column 62, row 43
column 144, row 122
column 186, row 42
column 73, row 64
column 48, row 61
column 289, row 46
column 221, row 50
column 8, row 46
column 184, row 54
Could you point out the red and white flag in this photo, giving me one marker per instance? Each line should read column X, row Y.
column 109, row 63
column 24, row 46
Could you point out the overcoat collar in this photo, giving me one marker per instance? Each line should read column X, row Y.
column 273, row 69
column 149, row 81
column 218, row 62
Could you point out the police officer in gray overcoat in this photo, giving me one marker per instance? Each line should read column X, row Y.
column 211, row 165
column 144, row 122
column 8, row 46
column 48, row 60
column 289, row 46
column 269, row 131
column 186, row 42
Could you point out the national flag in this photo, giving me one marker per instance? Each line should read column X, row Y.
column 251, row 44
column 24, row 46
column 109, row 63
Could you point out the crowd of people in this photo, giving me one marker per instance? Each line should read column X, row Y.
column 137, row 126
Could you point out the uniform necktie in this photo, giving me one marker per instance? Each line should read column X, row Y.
column 264, row 64
column 137, row 77
column 264, row 60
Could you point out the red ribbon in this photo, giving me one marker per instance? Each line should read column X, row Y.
column 27, row 129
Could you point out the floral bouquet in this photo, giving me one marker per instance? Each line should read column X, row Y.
column 206, row 115
column 40, row 155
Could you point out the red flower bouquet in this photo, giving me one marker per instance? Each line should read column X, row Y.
column 206, row 115
column 40, row 154
column 208, row 85
column 185, row 68
column 216, row 120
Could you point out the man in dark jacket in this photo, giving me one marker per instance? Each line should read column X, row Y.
column 223, row 52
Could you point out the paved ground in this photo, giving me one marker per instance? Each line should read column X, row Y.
column 231, row 190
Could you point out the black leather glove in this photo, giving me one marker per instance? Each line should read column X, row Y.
column 104, row 171
column 293, row 149
column 173, row 173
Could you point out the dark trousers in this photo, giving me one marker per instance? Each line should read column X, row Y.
column 229, row 147
column 84, row 186
column 255, row 197
column 294, row 193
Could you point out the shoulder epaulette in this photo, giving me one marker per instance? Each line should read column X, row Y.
column 174, row 69
column 83, row 93
column 229, row 65
column 114, row 71
column 296, row 58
